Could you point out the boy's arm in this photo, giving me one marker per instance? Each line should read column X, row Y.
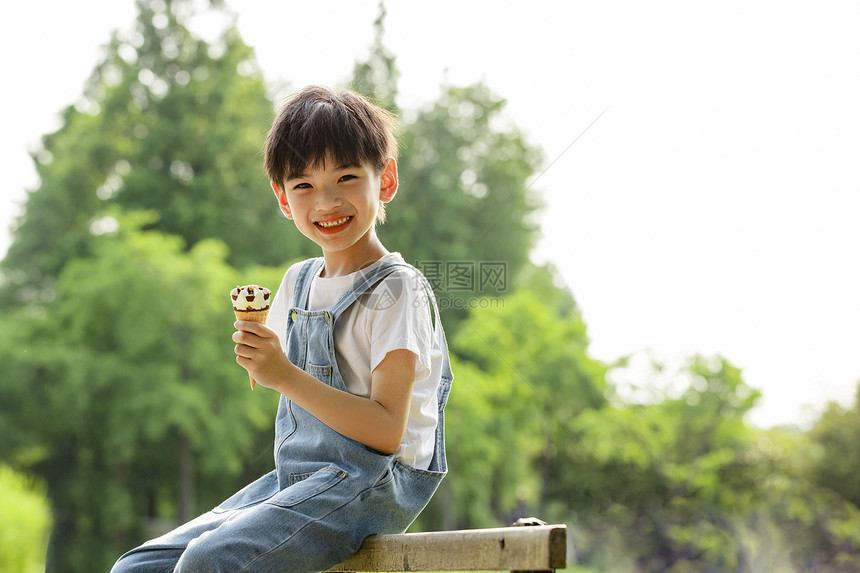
column 377, row 422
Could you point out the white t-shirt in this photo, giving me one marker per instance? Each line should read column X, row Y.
column 393, row 315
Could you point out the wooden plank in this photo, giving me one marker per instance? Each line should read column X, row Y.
column 534, row 548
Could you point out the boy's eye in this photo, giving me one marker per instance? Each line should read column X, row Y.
column 346, row 177
column 302, row 186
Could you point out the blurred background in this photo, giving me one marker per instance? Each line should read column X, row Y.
column 640, row 220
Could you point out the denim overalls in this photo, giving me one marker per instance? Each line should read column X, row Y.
column 327, row 492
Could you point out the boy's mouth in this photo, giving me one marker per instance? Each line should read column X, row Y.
column 333, row 223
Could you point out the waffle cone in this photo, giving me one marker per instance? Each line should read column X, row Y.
column 252, row 316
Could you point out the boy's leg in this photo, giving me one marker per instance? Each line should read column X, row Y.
column 310, row 526
column 143, row 561
column 264, row 539
column 307, row 527
column 272, row 539
column 160, row 555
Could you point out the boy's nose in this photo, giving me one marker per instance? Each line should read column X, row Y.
column 328, row 197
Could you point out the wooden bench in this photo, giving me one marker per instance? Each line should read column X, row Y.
column 518, row 548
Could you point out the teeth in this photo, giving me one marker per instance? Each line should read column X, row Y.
column 331, row 224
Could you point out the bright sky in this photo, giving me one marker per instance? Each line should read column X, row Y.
column 712, row 208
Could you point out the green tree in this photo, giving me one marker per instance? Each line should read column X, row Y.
column 376, row 77
column 127, row 399
column 25, row 520
column 837, row 435
column 824, row 521
column 168, row 122
column 670, row 482
column 523, row 375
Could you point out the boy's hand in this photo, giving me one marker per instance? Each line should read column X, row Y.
column 258, row 350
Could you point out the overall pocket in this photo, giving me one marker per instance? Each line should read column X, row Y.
column 305, row 486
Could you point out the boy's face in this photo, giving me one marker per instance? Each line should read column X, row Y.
column 335, row 206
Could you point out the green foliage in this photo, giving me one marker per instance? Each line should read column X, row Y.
column 836, row 434
column 523, row 375
column 684, row 484
column 126, row 378
column 376, row 77
column 25, row 520
column 167, row 123
column 796, row 525
column 672, row 476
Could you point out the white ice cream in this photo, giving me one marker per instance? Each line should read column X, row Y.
column 250, row 297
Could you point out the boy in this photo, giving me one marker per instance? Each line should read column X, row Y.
column 355, row 349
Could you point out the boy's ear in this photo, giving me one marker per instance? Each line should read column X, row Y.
column 388, row 184
column 282, row 200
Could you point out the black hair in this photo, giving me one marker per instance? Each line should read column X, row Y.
column 317, row 123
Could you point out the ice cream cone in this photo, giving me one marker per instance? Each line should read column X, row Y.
column 251, row 303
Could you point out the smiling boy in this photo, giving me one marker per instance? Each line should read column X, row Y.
column 353, row 345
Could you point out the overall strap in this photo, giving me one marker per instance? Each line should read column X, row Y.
column 362, row 285
column 368, row 280
column 302, row 290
